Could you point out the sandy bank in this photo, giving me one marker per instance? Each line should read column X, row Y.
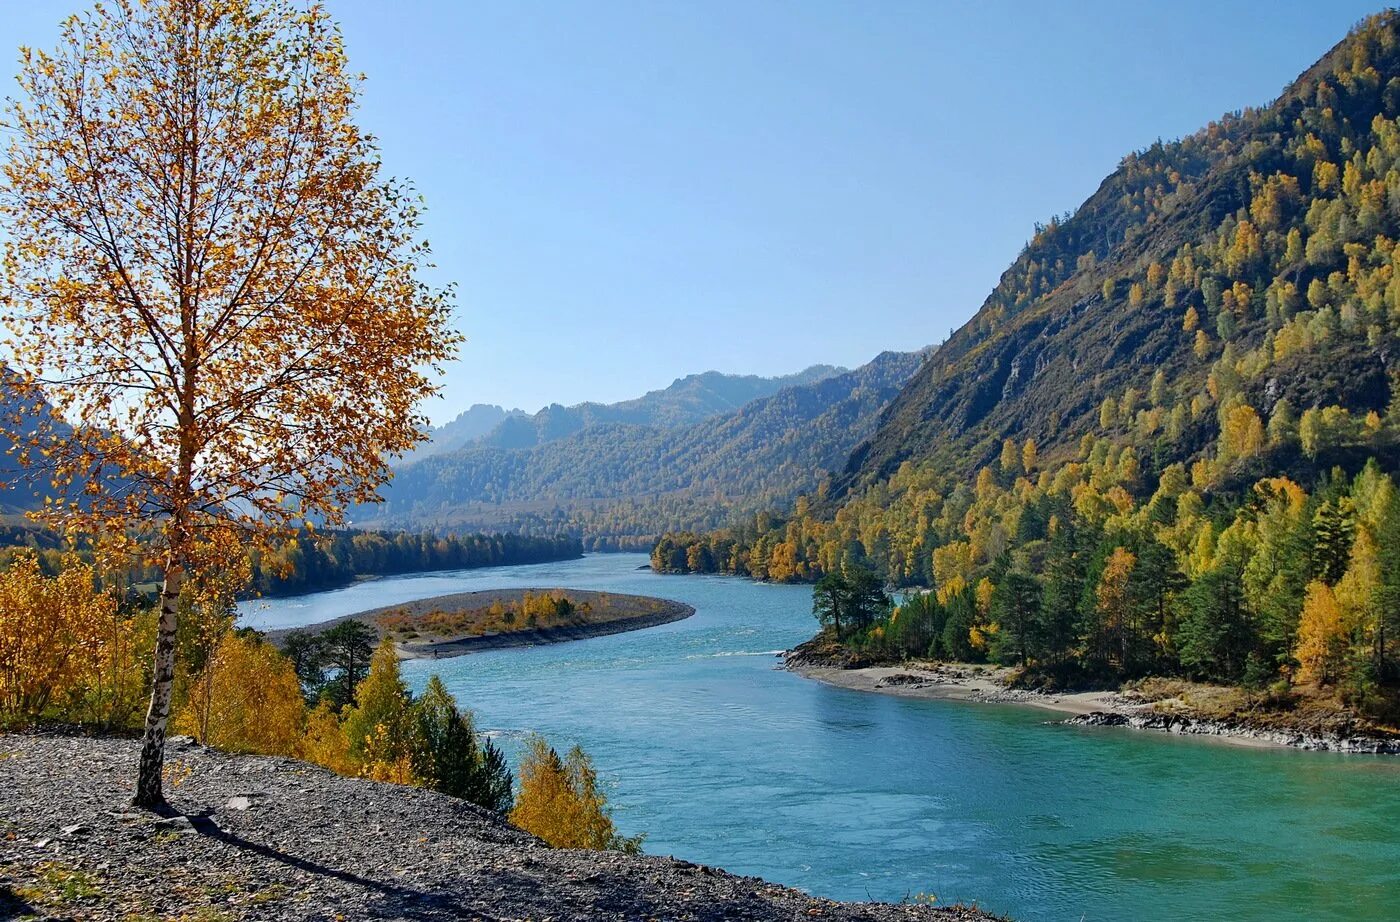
column 1093, row 708
column 961, row 683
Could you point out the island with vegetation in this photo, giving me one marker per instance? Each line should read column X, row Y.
column 467, row 622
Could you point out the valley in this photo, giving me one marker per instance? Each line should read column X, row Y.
column 1086, row 608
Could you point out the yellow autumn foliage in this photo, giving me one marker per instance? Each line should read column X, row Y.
column 1321, row 636
column 559, row 800
column 324, row 740
column 58, row 635
column 247, row 699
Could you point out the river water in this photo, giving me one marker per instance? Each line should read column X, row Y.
column 723, row 759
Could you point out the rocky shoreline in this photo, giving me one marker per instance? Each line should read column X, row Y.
column 269, row 839
column 829, row 663
column 1185, row 725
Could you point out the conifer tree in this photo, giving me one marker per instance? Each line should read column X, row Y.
column 1016, row 607
column 449, row 758
column 1321, row 638
column 560, row 802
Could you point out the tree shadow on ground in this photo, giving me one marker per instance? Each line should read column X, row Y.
column 406, row 902
column 14, row 906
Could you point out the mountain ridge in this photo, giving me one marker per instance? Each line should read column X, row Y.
column 1167, row 444
column 686, row 400
column 767, row 449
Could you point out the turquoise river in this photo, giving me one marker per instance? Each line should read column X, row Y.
column 722, row 758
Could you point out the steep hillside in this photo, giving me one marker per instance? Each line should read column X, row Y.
column 21, row 489
column 687, row 400
column 1166, row 442
column 1273, row 228
column 770, row 448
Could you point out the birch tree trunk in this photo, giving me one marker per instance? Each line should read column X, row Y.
column 149, row 792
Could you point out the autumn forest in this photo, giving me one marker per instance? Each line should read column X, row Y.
column 1152, row 481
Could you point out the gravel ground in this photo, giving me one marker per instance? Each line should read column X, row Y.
column 271, row 839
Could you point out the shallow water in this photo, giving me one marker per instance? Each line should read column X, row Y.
column 722, row 759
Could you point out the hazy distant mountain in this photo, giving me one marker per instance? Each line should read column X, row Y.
column 767, row 448
column 471, row 424
column 687, row 400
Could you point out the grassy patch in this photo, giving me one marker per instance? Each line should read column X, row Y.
column 59, row 884
column 270, row 894
column 1205, row 700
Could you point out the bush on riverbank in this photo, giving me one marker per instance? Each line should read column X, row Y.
column 68, row 652
column 560, row 802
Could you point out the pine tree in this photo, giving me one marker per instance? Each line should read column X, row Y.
column 1016, row 608
column 306, row 652
column 1388, row 593
column 1214, row 635
column 346, row 649
column 1334, row 529
column 829, row 602
column 450, row 758
column 866, row 599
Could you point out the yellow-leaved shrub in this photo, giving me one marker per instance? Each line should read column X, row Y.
column 58, row 634
column 559, row 801
column 247, row 699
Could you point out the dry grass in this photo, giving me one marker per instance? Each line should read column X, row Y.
column 1171, row 695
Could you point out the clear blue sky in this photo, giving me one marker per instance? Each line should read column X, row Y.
column 629, row 192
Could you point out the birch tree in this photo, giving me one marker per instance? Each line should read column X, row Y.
column 209, row 278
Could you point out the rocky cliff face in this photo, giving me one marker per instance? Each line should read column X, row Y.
column 271, row 839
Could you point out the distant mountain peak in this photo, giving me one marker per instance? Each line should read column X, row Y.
column 684, row 401
column 646, row 458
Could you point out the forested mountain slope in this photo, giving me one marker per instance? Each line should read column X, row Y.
column 769, row 448
column 1166, row 442
column 21, row 489
column 1255, row 254
column 687, row 400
